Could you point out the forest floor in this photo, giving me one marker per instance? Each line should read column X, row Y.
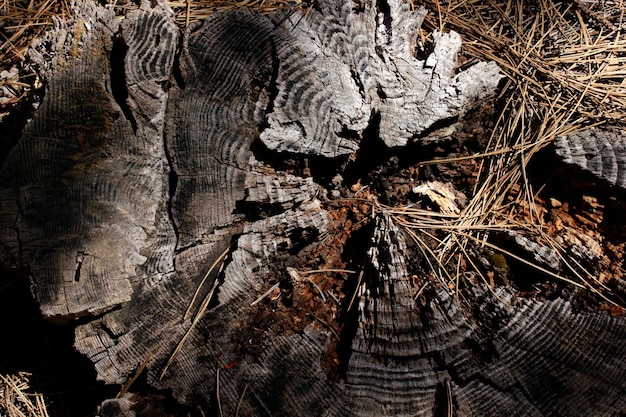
column 565, row 64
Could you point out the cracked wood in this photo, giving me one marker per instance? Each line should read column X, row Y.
column 142, row 168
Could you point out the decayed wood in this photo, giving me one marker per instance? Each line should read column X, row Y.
column 83, row 190
column 599, row 150
column 393, row 367
column 137, row 200
column 359, row 61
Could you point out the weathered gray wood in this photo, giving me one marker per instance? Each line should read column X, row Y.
column 344, row 63
column 83, row 190
column 134, row 184
column 600, row 150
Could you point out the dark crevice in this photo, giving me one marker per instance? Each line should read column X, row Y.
column 383, row 8
column 354, row 255
column 172, row 177
column 424, row 49
column 439, row 124
column 119, row 87
column 172, row 187
column 173, row 182
column 351, row 135
column 344, row 346
column 301, row 237
column 30, row 343
column 442, row 404
column 390, row 172
column 522, row 276
column 254, row 210
column 359, row 83
column 547, row 172
column 371, row 153
column 108, row 331
column 177, row 72
column 316, row 6
column 87, row 317
column 380, row 92
column 79, row 264
column 320, row 168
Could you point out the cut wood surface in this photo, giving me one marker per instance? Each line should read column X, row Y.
column 598, row 150
column 166, row 198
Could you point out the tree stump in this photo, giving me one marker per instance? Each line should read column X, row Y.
column 176, row 195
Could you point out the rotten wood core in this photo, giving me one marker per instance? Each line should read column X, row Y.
column 189, row 198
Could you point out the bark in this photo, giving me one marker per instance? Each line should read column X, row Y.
column 150, row 198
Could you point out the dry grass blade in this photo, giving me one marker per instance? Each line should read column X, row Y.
column 21, row 22
column 548, row 45
column 243, row 394
column 131, row 381
column 200, row 312
column 217, row 261
column 566, row 71
column 16, row 398
column 217, row 393
column 188, row 11
column 265, row 294
column 196, row 319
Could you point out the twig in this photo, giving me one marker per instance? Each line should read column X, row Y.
column 206, row 276
column 195, row 321
column 245, row 388
column 138, row 372
column 217, row 392
column 317, row 288
column 356, row 290
column 421, row 290
column 265, row 294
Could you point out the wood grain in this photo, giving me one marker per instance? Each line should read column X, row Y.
column 600, row 150
column 163, row 194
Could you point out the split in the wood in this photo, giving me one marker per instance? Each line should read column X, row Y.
column 119, row 89
column 268, row 226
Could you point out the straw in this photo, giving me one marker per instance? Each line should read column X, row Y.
column 18, row 399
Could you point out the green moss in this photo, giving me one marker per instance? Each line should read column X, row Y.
column 498, row 261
